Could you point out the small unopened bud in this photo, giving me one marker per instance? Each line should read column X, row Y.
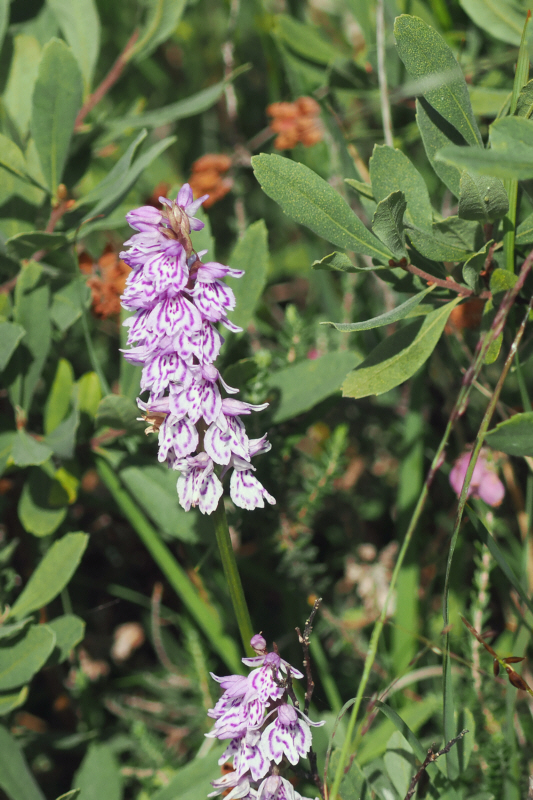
column 258, row 643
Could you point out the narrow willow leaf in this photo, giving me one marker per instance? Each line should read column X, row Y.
column 311, row 201
column 10, row 335
column 436, row 134
column 52, row 574
column 403, row 728
column 513, row 436
column 58, row 401
column 392, row 171
column 20, row 661
column 57, row 98
column 524, row 105
column 474, row 265
column 499, row 18
column 80, row 25
column 16, row 778
column 116, row 175
column 36, row 513
column 304, row 385
column 524, row 232
column 335, row 262
column 482, row 198
column 430, row 62
column 388, row 224
column 21, row 80
column 398, row 313
column 513, row 162
column 453, row 239
column 162, row 20
column 305, row 39
column 361, row 188
column 399, row 356
column 24, row 245
column 251, row 255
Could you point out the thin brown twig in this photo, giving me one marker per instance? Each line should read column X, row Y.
column 446, row 283
column 110, row 79
column 429, row 759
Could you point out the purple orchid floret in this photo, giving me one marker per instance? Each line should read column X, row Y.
column 176, row 301
column 264, row 729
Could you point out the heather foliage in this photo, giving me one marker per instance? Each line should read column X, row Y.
column 325, row 207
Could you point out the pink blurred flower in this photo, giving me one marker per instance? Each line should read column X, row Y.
column 485, row 483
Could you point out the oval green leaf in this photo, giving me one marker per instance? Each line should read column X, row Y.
column 16, row 778
column 398, row 313
column 391, row 171
column 513, row 436
column 251, row 255
column 20, row 661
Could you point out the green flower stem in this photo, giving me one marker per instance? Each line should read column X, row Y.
column 204, row 614
column 459, row 408
column 232, row 576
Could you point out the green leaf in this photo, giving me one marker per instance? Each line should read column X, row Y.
column 192, row 781
column 162, row 20
column 80, row 25
column 62, row 440
column 115, row 196
column 501, row 280
column 10, row 701
column 437, row 134
column 311, row 201
column 524, row 104
column 72, row 795
column 10, row 336
column 487, row 102
column 399, row 762
column 6, row 631
column 364, row 189
column 306, row 40
column 69, row 631
column 399, row 356
column 430, row 62
column 154, row 488
column 21, row 80
column 474, row 265
column 119, row 412
column 392, row 171
column 452, row 239
column 513, row 436
column 116, row 175
column 499, row 18
column 251, row 255
column 388, row 225
column 99, row 775
column 25, row 245
column 27, row 451
column 524, row 232
column 335, row 262
column 36, row 512
column 69, row 302
column 396, row 314
column 58, row 401
column 19, row 662
column 482, row 198
column 57, row 99
column 12, row 158
column 403, row 728
column 304, row 385
column 52, row 574
column 4, row 19
column 31, row 311
column 88, row 394
column 16, row 778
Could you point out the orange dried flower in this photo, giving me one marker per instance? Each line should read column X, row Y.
column 206, row 177
column 468, row 315
column 107, row 281
column 295, row 122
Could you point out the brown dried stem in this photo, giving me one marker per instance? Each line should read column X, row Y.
column 429, row 759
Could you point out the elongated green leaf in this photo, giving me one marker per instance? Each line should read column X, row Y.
column 10, row 701
column 474, row 265
column 80, row 25
column 398, row 313
column 162, row 20
column 24, row 245
column 28, row 451
column 10, row 336
column 37, row 513
column 57, row 99
column 72, row 795
column 117, row 411
column 524, row 105
column 304, row 39
column 388, row 224
column 335, row 262
column 16, row 778
column 524, row 232
column 58, row 401
column 99, row 775
column 52, row 574
column 488, row 102
column 116, row 175
column 513, row 161
column 508, row 132
column 62, row 439
column 69, row 631
column 4, row 19
column 364, row 189
column 403, row 728
column 482, row 198
column 251, row 255
column 20, row 661
column 192, row 781
column 399, row 356
column 154, row 488
column 431, row 63
column 68, row 303
column 513, row 436
column 498, row 556
column 112, row 198
column 400, row 762
column 391, row 171
column 21, row 80
column 312, row 202
column 501, row 19
column 436, row 134
column 12, row 158
column 304, row 385
column 452, row 239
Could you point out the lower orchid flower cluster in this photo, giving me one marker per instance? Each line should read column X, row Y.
column 176, row 300
column 264, row 729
